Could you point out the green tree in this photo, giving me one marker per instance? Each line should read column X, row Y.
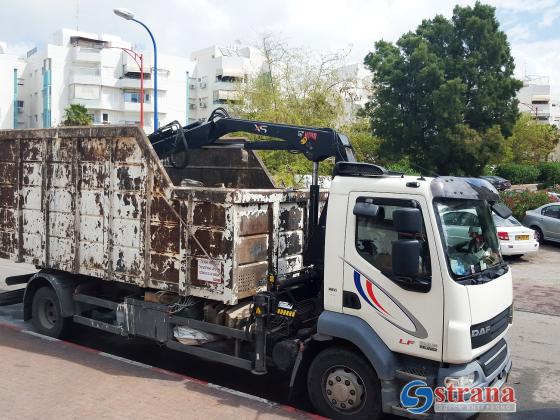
column 75, row 115
column 444, row 95
column 532, row 142
column 300, row 88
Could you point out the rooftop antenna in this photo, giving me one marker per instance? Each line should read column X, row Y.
column 77, row 15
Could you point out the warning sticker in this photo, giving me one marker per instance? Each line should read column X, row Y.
column 209, row 271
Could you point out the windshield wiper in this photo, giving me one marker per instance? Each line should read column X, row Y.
column 482, row 276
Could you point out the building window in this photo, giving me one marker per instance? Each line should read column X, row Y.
column 134, row 96
column 105, row 118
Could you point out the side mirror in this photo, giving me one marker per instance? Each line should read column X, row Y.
column 501, row 210
column 406, row 266
column 407, row 220
column 406, row 257
column 366, row 209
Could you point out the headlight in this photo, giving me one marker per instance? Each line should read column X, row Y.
column 466, row 381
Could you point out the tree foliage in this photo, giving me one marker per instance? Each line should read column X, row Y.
column 300, row 88
column 531, row 142
column 444, row 95
column 77, row 114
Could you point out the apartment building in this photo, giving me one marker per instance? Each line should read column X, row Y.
column 11, row 82
column 535, row 99
column 216, row 76
column 356, row 88
column 96, row 71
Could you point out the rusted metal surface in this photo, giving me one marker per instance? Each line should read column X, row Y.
column 97, row 201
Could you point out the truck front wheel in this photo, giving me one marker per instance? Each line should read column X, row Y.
column 47, row 315
column 343, row 385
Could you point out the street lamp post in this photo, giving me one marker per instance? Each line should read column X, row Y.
column 128, row 15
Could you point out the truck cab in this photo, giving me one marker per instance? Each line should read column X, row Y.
column 422, row 294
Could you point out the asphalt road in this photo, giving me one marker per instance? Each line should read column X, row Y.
column 534, row 337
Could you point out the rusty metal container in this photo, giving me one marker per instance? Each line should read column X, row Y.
column 97, row 201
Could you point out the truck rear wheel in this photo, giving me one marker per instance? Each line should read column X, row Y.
column 47, row 315
column 343, row 385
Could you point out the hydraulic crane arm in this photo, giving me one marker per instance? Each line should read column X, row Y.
column 316, row 144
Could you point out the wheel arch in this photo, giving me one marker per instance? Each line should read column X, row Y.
column 62, row 285
column 355, row 332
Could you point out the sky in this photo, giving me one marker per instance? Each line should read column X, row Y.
column 183, row 26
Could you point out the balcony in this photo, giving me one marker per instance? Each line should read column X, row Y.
column 85, row 75
column 148, row 107
column 230, row 67
column 86, row 55
column 225, row 96
column 133, row 83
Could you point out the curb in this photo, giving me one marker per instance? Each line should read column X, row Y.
column 282, row 407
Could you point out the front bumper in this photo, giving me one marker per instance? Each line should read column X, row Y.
column 491, row 369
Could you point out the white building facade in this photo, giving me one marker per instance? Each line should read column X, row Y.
column 11, row 83
column 218, row 71
column 535, row 99
column 95, row 71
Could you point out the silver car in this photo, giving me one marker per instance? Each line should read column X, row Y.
column 545, row 221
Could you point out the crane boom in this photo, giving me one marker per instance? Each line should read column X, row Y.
column 316, row 144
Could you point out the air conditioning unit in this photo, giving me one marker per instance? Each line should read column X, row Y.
column 202, row 85
column 202, row 105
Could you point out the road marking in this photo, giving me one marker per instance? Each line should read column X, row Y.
column 243, row 394
column 122, row 359
column 41, row 336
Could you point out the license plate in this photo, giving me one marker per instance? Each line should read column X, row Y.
column 521, row 237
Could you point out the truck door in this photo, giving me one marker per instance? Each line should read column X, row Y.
column 407, row 313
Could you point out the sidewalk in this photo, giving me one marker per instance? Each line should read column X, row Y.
column 58, row 380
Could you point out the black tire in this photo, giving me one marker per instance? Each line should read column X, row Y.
column 46, row 313
column 538, row 233
column 355, row 377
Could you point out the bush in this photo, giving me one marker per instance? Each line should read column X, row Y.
column 549, row 173
column 402, row 167
column 518, row 174
column 521, row 201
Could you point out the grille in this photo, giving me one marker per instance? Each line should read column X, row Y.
column 493, row 358
column 487, row 331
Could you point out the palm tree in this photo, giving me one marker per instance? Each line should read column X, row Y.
column 76, row 114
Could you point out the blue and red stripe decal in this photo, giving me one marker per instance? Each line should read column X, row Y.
column 368, row 294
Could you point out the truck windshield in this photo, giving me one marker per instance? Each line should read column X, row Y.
column 469, row 236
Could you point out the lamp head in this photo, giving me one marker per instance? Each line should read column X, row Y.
column 124, row 13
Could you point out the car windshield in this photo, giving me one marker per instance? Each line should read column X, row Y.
column 501, row 222
column 468, row 235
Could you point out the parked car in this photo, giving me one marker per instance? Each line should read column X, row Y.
column 515, row 239
column 545, row 221
column 499, row 183
column 555, row 196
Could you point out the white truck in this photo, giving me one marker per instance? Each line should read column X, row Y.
column 377, row 291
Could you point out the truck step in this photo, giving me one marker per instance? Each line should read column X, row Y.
column 11, row 297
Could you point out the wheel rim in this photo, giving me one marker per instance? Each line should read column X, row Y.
column 344, row 389
column 47, row 313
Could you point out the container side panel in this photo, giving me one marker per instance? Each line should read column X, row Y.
column 9, row 168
